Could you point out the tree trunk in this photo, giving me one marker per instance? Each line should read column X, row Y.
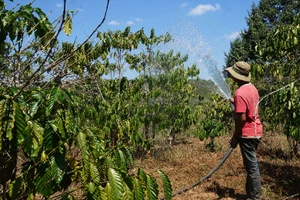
column 146, row 130
column 171, row 137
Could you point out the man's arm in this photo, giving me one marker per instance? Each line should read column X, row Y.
column 240, row 120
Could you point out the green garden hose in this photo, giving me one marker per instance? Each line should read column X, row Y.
column 207, row 175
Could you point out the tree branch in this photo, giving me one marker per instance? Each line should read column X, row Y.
column 48, row 54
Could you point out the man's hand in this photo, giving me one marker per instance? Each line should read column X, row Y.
column 234, row 142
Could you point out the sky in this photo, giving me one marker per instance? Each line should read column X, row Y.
column 207, row 26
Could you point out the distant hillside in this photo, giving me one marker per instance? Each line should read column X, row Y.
column 204, row 87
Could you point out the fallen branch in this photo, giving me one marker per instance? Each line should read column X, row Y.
column 292, row 196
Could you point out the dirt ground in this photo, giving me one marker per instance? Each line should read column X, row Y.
column 188, row 161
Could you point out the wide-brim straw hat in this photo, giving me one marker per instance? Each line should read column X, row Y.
column 241, row 71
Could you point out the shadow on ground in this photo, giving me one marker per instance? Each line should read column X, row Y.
column 221, row 190
column 281, row 179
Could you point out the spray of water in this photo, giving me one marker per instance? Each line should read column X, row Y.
column 211, row 67
column 188, row 40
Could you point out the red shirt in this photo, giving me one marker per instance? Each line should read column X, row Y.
column 246, row 100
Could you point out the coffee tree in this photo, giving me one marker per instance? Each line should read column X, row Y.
column 282, row 51
column 215, row 119
column 49, row 133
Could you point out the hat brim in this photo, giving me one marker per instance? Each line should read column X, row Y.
column 238, row 76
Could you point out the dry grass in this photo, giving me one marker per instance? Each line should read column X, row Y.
column 188, row 160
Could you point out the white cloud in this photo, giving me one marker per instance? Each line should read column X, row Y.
column 138, row 19
column 114, row 22
column 184, row 4
column 203, row 8
column 59, row 5
column 129, row 22
column 232, row 36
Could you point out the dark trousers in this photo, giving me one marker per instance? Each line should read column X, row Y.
column 253, row 182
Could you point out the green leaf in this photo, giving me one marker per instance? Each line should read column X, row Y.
column 10, row 126
column 121, row 160
column 33, row 139
column 81, row 139
column 109, row 193
column 94, row 174
column 97, row 192
column 127, row 195
column 60, row 124
column 34, row 105
column 20, row 122
column 54, row 93
column 129, row 156
column 116, row 183
column 296, row 41
column 47, row 183
column 167, row 185
column 152, row 188
column 41, row 14
column 14, row 188
column 37, row 137
column 126, row 31
column 138, row 189
column 142, row 176
column 2, row 4
column 103, row 195
column 50, row 137
column 68, row 25
column 30, row 196
column 91, row 189
column 2, row 111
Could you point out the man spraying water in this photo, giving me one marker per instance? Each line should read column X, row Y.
column 248, row 128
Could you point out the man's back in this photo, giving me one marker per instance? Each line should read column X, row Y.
column 246, row 100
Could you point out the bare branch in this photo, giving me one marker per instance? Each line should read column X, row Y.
column 292, row 196
column 48, row 54
column 88, row 38
column 64, row 57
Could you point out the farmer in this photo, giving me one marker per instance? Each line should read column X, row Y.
column 248, row 128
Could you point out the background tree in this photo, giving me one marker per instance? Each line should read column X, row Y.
column 270, row 44
column 26, row 35
column 215, row 119
column 282, row 52
column 262, row 19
